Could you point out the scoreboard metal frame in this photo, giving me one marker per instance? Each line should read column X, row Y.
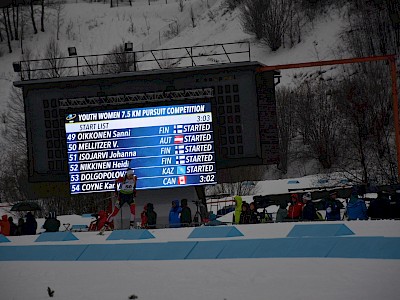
column 242, row 106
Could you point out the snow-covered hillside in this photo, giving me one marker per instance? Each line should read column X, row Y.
column 95, row 28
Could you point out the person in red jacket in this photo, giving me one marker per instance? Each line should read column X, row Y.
column 4, row 225
column 102, row 219
column 295, row 207
column 143, row 217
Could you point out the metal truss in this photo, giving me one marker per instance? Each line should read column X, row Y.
column 136, row 98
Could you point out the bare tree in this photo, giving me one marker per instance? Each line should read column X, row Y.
column 15, row 11
column 28, row 64
column 237, row 188
column 296, row 24
column 42, row 16
column 192, row 17
column 54, row 64
column 285, row 116
column 277, row 16
column 317, row 121
column 33, row 17
column 13, row 133
column 146, row 21
column 9, row 23
column 277, row 22
column 7, row 30
column 24, row 21
column 118, row 60
column 14, row 183
column 252, row 17
column 231, row 4
column 393, row 7
column 365, row 104
column 59, row 6
column 373, row 28
column 172, row 31
column 1, row 29
column 268, row 20
column 181, row 5
column 13, row 174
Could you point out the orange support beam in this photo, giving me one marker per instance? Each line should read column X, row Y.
column 393, row 72
column 326, row 63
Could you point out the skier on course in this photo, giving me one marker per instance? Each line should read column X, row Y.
column 126, row 194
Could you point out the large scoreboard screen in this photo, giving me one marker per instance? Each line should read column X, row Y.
column 166, row 146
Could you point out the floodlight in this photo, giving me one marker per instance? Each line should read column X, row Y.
column 16, row 66
column 277, row 79
column 128, row 47
column 72, row 51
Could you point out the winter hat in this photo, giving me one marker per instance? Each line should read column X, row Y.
column 129, row 172
column 307, row 196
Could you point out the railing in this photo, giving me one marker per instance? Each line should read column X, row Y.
column 113, row 63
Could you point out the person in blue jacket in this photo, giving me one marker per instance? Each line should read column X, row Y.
column 175, row 215
column 356, row 208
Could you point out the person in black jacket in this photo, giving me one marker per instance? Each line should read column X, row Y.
column 30, row 225
column 253, row 214
column 309, row 211
column 186, row 214
column 52, row 224
column 13, row 226
column 151, row 216
column 245, row 214
column 20, row 226
column 379, row 208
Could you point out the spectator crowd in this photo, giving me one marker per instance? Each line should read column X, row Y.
column 25, row 226
column 304, row 208
column 301, row 207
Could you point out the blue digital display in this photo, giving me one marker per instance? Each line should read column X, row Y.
column 166, row 146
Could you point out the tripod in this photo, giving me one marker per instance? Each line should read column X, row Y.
column 197, row 215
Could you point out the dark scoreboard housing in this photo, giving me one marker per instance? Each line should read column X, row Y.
column 242, row 100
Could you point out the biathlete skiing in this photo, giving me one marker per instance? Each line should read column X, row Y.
column 126, row 194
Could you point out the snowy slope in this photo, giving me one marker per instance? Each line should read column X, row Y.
column 233, row 279
column 95, row 28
